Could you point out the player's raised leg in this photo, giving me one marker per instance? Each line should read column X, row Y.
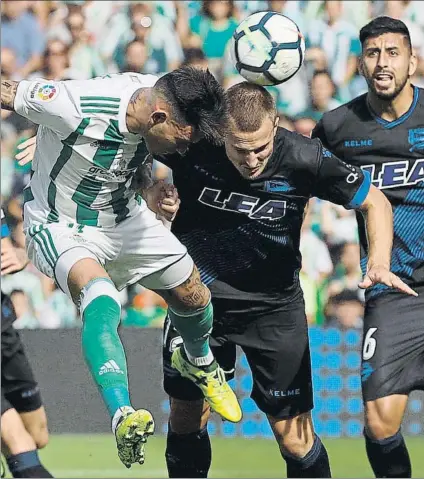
column 191, row 313
column 100, row 308
column 385, row 445
column 77, row 269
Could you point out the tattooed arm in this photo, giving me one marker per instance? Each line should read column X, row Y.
column 8, row 94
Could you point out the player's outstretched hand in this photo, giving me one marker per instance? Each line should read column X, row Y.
column 382, row 275
column 12, row 259
column 27, row 150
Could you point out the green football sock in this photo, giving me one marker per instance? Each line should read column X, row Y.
column 103, row 350
column 195, row 330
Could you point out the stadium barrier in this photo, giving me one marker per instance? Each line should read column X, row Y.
column 70, row 396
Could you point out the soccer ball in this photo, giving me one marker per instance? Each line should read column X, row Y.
column 267, row 48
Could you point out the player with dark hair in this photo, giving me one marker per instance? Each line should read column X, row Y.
column 86, row 230
column 23, row 418
column 242, row 207
column 382, row 132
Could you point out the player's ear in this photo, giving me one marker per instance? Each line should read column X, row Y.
column 276, row 122
column 413, row 63
column 157, row 117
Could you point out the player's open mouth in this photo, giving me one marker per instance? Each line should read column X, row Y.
column 383, row 79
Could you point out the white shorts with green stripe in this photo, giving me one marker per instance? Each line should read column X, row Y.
column 140, row 249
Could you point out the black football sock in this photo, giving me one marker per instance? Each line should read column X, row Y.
column 27, row 464
column 388, row 457
column 188, row 455
column 314, row 464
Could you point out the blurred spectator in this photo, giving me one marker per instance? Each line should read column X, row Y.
column 21, row 33
column 345, row 311
column 347, row 273
column 7, row 165
column 357, row 13
column 56, row 61
column 323, row 91
column 42, row 10
column 333, row 44
column 291, row 9
column 322, row 100
column 338, row 225
column 84, row 60
column 135, row 57
column 407, row 11
column 211, row 30
column 8, row 64
column 142, row 23
column 25, row 317
column 316, row 267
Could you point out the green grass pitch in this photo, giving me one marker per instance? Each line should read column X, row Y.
column 95, row 456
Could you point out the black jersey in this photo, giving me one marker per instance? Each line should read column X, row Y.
column 393, row 153
column 244, row 234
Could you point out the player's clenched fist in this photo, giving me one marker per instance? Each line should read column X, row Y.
column 163, row 199
column 169, row 202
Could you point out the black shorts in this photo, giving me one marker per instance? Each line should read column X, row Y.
column 277, row 350
column 393, row 345
column 19, row 390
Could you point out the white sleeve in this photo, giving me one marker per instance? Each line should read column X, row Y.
column 47, row 103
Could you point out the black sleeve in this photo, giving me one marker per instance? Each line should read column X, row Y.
column 319, row 132
column 339, row 182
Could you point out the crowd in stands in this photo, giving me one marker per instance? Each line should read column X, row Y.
column 82, row 39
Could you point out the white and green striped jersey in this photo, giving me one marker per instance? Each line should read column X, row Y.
column 85, row 157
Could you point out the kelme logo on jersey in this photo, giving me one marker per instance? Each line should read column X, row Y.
column 396, row 173
column 47, row 92
column 238, row 203
column 358, row 143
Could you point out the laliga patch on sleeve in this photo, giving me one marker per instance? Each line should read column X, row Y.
column 43, row 92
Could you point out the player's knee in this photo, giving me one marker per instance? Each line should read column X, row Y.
column 188, row 416
column 100, row 296
column 294, row 436
column 379, row 424
column 75, row 268
column 41, row 435
column 189, row 296
column 15, row 437
column 41, row 439
column 35, row 423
